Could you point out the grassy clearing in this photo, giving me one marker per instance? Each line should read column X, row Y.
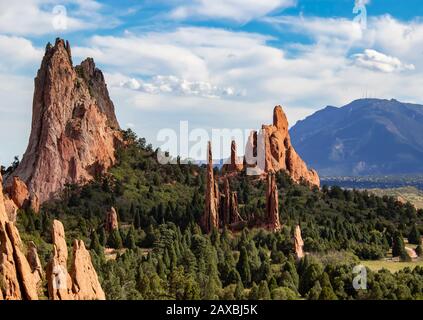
column 392, row 266
column 411, row 194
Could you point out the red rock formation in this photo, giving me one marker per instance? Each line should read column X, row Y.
column 298, row 243
column 279, row 154
column 229, row 206
column 17, row 278
column 74, row 129
column 34, row 262
column 3, row 213
column 84, row 277
column 59, row 281
column 82, row 283
column 18, row 192
column 236, row 164
column 272, row 204
column 210, row 218
column 111, row 222
column 11, row 209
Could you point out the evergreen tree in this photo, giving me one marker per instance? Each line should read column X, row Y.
column 414, row 236
column 95, row 243
column 327, row 292
column 243, row 267
column 115, row 240
column 130, row 242
column 263, row 291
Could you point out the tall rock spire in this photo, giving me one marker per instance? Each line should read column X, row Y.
column 74, row 128
column 298, row 243
column 210, row 218
column 229, row 206
column 272, row 204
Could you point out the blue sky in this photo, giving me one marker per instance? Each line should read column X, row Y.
column 216, row 64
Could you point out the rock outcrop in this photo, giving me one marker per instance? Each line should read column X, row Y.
column 85, row 284
column 271, row 151
column 3, row 213
column 236, row 163
column 18, row 281
column 58, row 278
column 210, row 217
column 18, row 192
column 281, row 155
column 74, row 128
column 82, row 282
column 298, row 243
column 111, row 222
column 11, row 209
column 34, row 262
column 272, row 204
column 229, row 206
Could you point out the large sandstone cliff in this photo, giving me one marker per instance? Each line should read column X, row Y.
column 74, row 128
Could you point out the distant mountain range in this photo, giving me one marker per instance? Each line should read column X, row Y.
column 365, row 137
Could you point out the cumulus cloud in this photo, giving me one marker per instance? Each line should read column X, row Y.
column 236, row 10
column 17, row 52
column 174, row 85
column 372, row 59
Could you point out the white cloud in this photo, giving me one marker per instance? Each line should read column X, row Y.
column 36, row 17
column 174, row 85
column 372, row 59
column 236, row 10
column 17, row 52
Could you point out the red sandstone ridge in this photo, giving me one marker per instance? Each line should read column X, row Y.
column 281, row 155
column 74, row 128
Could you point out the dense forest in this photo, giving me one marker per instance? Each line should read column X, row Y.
column 160, row 252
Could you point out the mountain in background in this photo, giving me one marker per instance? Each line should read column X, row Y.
column 365, row 137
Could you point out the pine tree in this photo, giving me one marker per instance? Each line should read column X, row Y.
column 398, row 247
column 419, row 250
column 130, row 242
column 414, row 236
column 243, row 267
column 95, row 243
column 327, row 290
column 263, row 291
column 103, row 237
column 115, row 240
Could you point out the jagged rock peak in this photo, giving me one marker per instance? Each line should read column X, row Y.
column 86, row 285
column 210, row 217
column 74, row 130
column 281, row 155
column 272, row 204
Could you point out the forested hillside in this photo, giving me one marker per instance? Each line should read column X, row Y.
column 160, row 252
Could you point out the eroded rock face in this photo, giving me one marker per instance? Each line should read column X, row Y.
column 210, row 218
column 279, row 154
column 84, row 277
column 272, row 204
column 18, row 192
column 34, row 262
column 236, row 163
column 229, row 206
column 111, row 222
column 82, row 282
column 17, row 278
column 11, row 209
column 74, row 129
column 3, row 213
column 59, row 281
column 298, row 243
